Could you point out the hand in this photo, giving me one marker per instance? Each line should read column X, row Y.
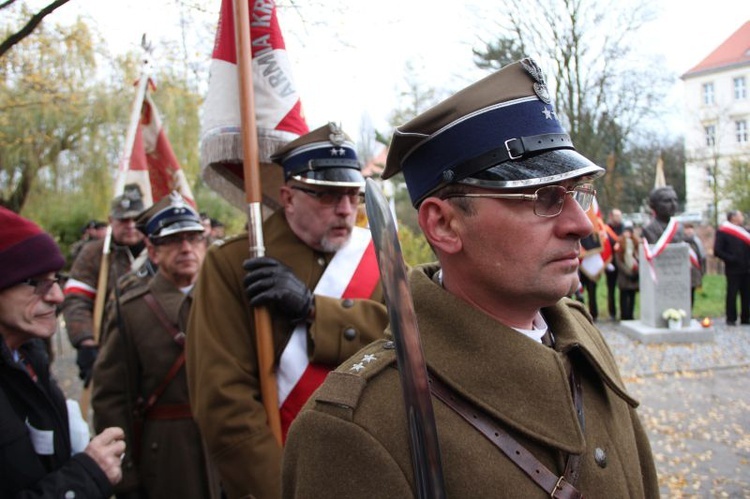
column 107, row 450
column 85, row 360
column 269, row 282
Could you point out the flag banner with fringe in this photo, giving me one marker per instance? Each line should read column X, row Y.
column 278, row 109
column 153, row 163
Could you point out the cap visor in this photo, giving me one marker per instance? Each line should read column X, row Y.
column 177, row 227
column 339, row 177
column 542, row 169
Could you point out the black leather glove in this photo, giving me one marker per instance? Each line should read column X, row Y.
column 85, row 360
column 270, row 283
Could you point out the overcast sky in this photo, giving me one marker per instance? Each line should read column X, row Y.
column 359, row 68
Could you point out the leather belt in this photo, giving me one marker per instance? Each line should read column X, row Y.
column 169, row 411
column 559, row 487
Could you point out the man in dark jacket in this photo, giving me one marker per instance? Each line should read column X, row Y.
column 528, row 401
column 732, row 245
column 37, row 457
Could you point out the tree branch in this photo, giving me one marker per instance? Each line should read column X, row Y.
column 37, row 18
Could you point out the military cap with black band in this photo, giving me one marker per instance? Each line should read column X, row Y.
column 502, row 132
column 325, row 156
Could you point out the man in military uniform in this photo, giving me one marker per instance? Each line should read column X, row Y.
column 93, row 230
column 320, row 282
column 502, row 197
column 140, row 377
column 81, row 288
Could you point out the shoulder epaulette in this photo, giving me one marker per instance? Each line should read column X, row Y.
column 344, row 386
column 134, row 288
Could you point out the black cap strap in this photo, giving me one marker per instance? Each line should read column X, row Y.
column 321, row 164
column 512, row 150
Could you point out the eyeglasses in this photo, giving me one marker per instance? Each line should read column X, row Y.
column 332, row 198
column 178, row 239
column 548, row 200
column 42, row 286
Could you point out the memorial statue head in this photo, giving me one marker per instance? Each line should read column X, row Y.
column 663, row 200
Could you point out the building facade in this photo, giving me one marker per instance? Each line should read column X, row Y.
column 717, row 138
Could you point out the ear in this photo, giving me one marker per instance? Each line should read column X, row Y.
column 285, row 196
column 442, row 225
column 153, row 255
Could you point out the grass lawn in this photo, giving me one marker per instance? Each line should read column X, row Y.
column 709, row 299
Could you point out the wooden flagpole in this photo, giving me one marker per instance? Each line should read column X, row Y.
column 254, row 198
column 122, row 172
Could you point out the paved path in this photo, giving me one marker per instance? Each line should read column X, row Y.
column 695, row 405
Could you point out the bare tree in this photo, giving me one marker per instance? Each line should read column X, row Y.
column 603, row 91
column 29, row 27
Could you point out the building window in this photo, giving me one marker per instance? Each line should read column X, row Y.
column 740, row 90
column 710, row 135
column 709, row 177
column 708, row 93
column 740, row 128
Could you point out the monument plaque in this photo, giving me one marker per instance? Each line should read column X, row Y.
column 668, row 287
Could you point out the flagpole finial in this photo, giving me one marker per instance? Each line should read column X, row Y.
column 146, row 44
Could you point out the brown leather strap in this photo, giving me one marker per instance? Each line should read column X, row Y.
column 179, row 338
column 170, row 411
column 556, row 487
column 177, row 335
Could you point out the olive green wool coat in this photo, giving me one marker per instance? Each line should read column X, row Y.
column 168, row 461
column 351, row 439
column 222, row 362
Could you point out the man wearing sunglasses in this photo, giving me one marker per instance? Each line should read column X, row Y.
column 38, row 458
column 320, row 282
column 527, row 397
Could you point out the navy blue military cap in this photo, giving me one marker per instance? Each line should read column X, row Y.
column 325, row 156
column 502, row 132
column 172, row 214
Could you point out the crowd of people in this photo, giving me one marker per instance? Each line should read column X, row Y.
column 192, row 327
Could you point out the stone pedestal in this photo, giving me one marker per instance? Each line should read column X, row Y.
column 667, row 287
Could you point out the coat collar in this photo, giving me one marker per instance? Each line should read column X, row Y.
column 169, row 296
column 526, row 384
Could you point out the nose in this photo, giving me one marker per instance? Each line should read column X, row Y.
column 574, row 220
column 55, row 294
column 345, row 206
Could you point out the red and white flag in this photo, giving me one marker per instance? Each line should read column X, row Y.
column 352, row 273
column 153, row 163
column 278, row 114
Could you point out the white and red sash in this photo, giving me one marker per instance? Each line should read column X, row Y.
column 665, row 238
column 736, row 231
column 74, row 286
column 352, row 273
column 694, row 261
